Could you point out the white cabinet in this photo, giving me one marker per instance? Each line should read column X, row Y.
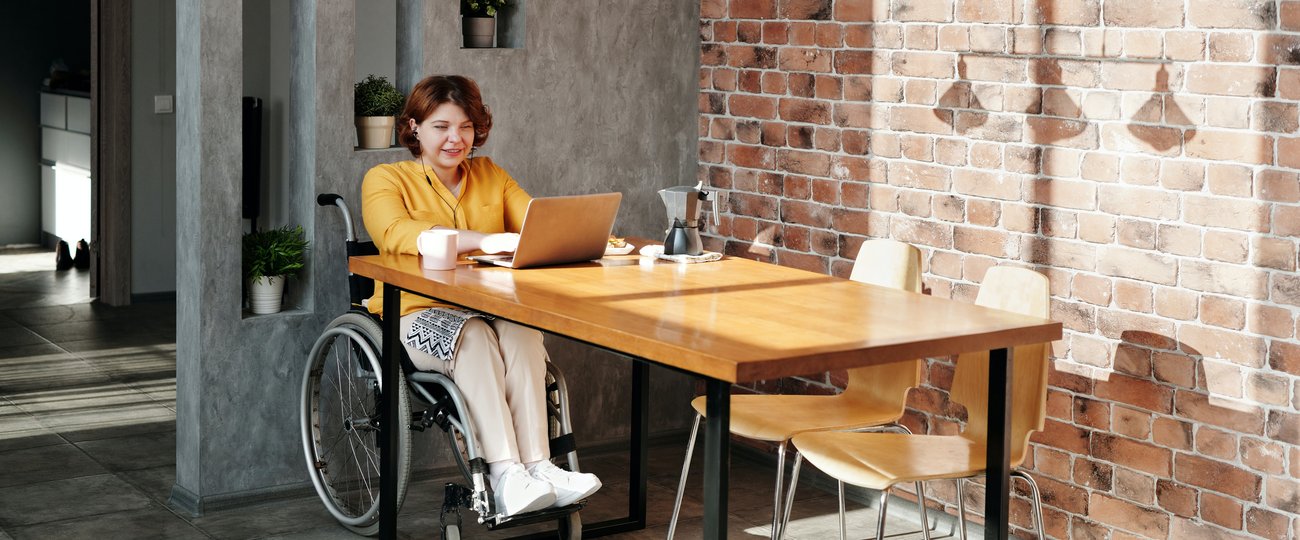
column 65, row 166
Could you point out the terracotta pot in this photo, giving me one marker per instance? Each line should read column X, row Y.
column 480, row 32
column 374, row 131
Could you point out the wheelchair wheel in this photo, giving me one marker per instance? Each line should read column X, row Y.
column 340, row 414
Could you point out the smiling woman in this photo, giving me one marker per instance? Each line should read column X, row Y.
column 499, row 366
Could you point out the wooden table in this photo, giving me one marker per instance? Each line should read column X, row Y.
column 731, row 321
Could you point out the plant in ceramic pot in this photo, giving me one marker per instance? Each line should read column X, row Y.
column 270, row 257
column 376, row 102
column 479, row 23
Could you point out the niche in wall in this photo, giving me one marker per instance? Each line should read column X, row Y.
column 375, row 43
column 509, row 26
column 266, row 62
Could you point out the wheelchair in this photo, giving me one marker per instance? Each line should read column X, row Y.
column 340, row 422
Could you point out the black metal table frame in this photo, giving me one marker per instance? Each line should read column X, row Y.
column 717, row 443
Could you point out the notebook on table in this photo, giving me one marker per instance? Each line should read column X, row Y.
column 561, row 230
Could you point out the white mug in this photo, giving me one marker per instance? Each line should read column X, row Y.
column 437, row 249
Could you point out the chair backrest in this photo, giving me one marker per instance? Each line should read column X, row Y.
column 894, row 264
column 1023, row 291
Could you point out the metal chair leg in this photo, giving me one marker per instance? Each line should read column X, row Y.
column 925, row 518
column 681, row 484
column 1038, row 501
column 776, row 495
column 843, row 532
column 880, row 518
column 789, row 498
column 961, row 507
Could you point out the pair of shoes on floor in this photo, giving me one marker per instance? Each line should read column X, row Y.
column 523, row 490
column 64, row 259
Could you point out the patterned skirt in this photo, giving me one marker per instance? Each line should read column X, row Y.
column 435, row 331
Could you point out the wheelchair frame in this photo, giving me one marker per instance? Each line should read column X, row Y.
column 439, row 402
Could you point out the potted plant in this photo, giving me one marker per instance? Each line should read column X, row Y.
column 270, row 257
column 375, row 102
column 479, row 23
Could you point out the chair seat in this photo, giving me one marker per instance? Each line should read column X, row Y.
column 880, row 460
column 777, row 418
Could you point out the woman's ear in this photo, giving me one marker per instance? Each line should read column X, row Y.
column 410, row 122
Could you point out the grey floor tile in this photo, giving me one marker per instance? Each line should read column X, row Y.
column 156, row 483
column 18, row 336
column 152, row 522
column 72, row 412
column 269, row 519
column 91, row 311
column 45, row 463
column 135, row 364
column 67, row 499
column 73, row 331
column 48, row 369
column 19, row 429
column 132, row 452
column 119, row 341
column 5, row 536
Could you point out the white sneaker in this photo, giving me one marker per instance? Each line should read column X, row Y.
column 570, row 487
column 518, row 492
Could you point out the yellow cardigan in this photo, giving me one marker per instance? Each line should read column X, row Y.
column 397, row 204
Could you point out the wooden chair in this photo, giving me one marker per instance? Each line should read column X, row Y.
column 874, row 397
column 882, row 460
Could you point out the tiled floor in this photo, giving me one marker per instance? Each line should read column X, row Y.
column 87, row 440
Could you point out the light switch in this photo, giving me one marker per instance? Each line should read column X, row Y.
column 162, row 104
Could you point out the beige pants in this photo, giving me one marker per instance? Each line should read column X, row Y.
column 500, row 368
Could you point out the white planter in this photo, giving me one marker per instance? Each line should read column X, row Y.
column 264, row 294
column 374, row 131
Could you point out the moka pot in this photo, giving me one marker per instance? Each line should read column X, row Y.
column 683, row 206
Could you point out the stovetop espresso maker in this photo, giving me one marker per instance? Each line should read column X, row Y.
column 683, row 205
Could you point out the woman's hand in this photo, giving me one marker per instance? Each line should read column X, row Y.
column 499, row 243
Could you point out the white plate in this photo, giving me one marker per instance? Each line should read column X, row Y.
column 627, row 248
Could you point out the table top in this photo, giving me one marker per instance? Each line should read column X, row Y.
column 735, row 320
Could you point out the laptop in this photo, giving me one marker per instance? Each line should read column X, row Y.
column 560, row 230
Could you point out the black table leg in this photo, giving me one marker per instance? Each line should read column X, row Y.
column 389, row 416
column 717, row 457
column 998, row 497
column 636, row 500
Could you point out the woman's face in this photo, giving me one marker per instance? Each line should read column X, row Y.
column 446, row 137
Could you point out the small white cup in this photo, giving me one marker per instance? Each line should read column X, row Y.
column 437, row 249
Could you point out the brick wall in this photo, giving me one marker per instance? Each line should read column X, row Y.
column 1141, row 153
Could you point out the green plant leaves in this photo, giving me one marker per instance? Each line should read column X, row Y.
column 274, row 252
column 375, row 96
column 481, row 8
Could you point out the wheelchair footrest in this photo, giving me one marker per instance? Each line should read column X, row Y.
column 540, row 516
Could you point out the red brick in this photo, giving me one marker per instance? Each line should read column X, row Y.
column 1226, row 246
column 1144, row 13
column 1266, row 523
column 1234, row 347
column 1124, row 515
column 1238, row 214
column 1233, row 280
column 987, row 184
column 753, row 9
column 804, row 59
column 1217, row 476
column 861, row 10
column 1229, row 146
column 1135, row 264
column 1231, row 14
column 1288, row 150
column 1198, row 407
column 1141, row 393
column 798, row 162
column 923, row 10
column 1223, row 312
column 1231, row 80
column 920, row 119
column 1067, row 12
column 1176, row 498
column 1137, row 201
column 1270, row 321
column 1172, row 433
column 1221, row 511
column 805, row 110
column 1063, row 436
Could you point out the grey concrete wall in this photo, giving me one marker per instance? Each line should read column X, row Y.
column 34, row 33
column 153, row 147
column 601, row 98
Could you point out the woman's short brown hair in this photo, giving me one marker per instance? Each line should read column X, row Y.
column 432, row 92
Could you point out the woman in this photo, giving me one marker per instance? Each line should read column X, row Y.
column 499, row 366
